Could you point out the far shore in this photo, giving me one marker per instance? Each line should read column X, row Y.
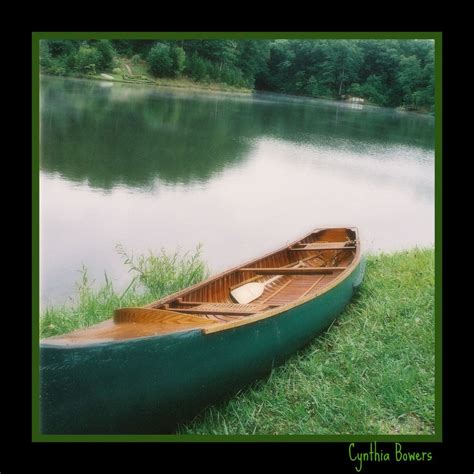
column 185, row 83
column 172, row 83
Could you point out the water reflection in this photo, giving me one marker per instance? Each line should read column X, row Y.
column 110, row 138
column 159, row 168
column 131, row 135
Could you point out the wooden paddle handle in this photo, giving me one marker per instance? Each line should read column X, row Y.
column 300, row 264
column 271, row 280
column 256, row 277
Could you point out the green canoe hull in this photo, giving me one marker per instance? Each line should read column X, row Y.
column 151, row 384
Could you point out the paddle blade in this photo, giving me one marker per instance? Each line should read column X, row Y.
column 246, row 293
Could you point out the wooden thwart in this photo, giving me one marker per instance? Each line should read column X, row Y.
column 302, row 249
column 245, row 294
column 292, row 271
column 213, row 311
column 225, row 308
column 250, row 280
column 302, row 260
column 324, row 246
column 215, row 305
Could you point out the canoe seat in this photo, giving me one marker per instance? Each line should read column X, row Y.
column 348, row 244
column 225, row 308
column 232, row 307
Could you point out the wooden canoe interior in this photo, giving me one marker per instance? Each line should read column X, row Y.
column 317, row 260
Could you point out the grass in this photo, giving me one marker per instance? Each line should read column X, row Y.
column 154, row 276
column 141, row 75
column 372, row 372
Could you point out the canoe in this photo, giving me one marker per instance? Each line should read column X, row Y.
column 147, row 369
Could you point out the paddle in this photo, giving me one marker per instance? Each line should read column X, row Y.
column 250, row 291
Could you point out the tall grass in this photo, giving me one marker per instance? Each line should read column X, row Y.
column 152, row 277
column 372, row 372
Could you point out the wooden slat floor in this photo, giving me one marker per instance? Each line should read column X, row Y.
column 284, row 290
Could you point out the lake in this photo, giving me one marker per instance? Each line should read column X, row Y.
column 243, row 174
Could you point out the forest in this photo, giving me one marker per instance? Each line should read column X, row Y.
column 390, row 73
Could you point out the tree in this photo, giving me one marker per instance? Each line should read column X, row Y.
column 277, row 75
column 130, row 47
column 123, row 47
column 386, row 72
column 87, row 59
column 373, row 90
column 106, row 54
column 429, row 83
column 252, row 58
column 178, row 57
column 62, row 47
column 313, row 88
column 160, row 61
column 341, row 65
column 196, row 67
column 218, row 51
column 45, row 55
column 409, row 77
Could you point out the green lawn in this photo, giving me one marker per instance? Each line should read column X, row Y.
column 372, row 372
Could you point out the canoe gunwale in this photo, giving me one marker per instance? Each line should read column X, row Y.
column 227, row 325
column 169, row 298
column 284, row 308
column 280, row 309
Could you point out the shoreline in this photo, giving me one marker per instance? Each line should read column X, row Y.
column 188, row 84
column 171, row 83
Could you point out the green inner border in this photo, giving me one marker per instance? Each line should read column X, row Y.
column 37, row 36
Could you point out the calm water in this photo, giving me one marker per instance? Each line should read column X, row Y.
column 151, row 168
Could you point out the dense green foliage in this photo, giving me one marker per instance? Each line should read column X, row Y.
column 160, row 60
column 385, row 72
